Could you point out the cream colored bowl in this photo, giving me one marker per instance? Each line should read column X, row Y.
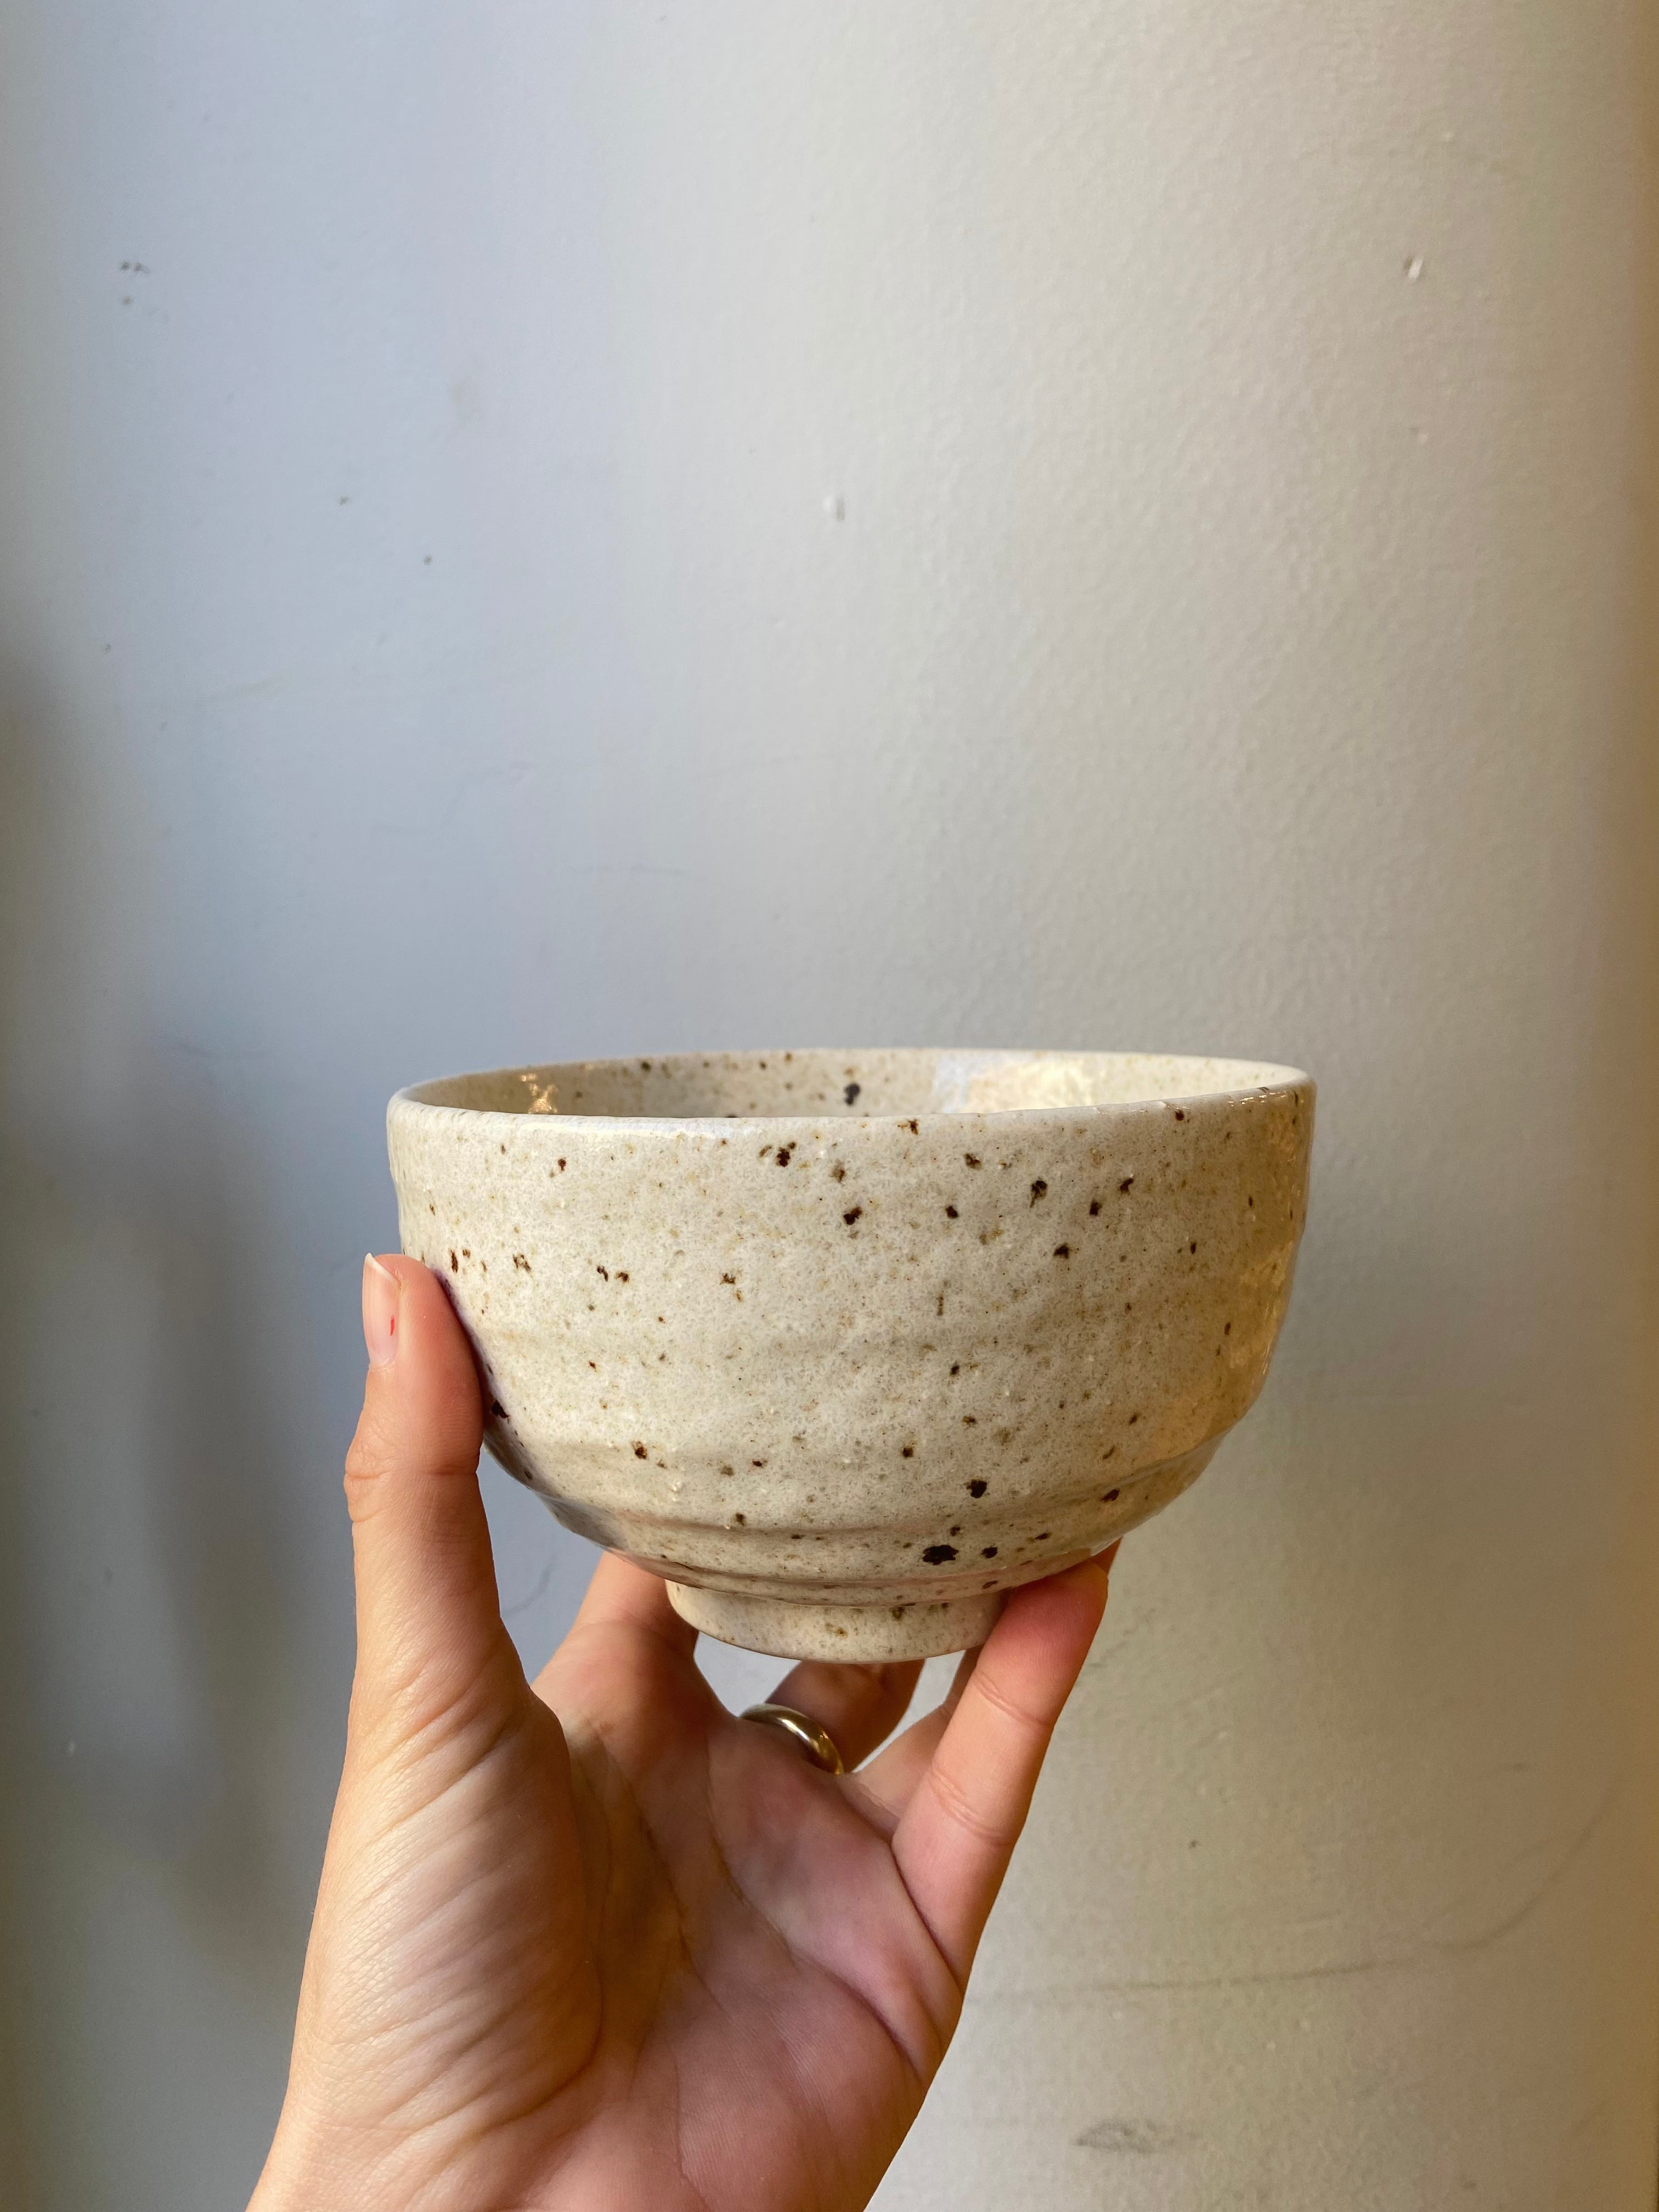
column 847, row 1343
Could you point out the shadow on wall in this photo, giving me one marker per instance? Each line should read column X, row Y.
column 142, row 1576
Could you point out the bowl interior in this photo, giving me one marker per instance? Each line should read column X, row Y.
column 696, row 1086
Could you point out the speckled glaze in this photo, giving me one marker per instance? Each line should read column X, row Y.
column 846, row 1345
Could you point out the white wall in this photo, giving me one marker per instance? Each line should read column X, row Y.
column 427, row 643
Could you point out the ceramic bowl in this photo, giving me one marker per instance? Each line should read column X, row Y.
column 845, row 1344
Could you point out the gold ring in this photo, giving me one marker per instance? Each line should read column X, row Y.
column 803, row 1732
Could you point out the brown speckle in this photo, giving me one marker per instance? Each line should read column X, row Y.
column 1062, row 1251
column 989, row 1553
column 852, row 1214
column 498, row 1409
column 757, row 1462
column 1180, row 1113
column 951, row 1214
column 1127, row 1183
column 1133, row 1418
column 956, row 1367
column 852, row 1092
column 908, row 1451
column 839, row 1172
column 784, row 1151
column 1227, row 1329
column 1094, row 1208
column 970, row 1420
column 728, row 1279
column 740, row 1520
column 561, row 1165
column 640, row 1452
column 622, row 1274
column 1044, row 1536
column 454, row 1265
column 1194, row 1246
column 518, row 1261
column 973, row 1159
column 600, row 1269
column 1111, row 1498
column 914, row 1128
column 976, row 1487
column 1039, row 1190
column 957, row 1531
column 937, row 1555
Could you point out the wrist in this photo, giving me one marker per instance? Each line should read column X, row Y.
column 307, row 2170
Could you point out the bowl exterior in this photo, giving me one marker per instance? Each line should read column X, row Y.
column 856, row 1362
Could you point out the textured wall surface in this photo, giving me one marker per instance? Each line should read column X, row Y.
column 561, row 529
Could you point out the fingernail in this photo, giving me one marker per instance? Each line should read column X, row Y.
column 382, row 1296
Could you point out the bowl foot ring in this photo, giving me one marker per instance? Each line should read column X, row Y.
column 789, row 1629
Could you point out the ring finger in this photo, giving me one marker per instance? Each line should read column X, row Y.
column 858, row 1706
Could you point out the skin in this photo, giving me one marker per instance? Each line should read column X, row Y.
column 591, row 1941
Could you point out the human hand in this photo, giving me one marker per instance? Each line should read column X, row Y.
column 593, row 1941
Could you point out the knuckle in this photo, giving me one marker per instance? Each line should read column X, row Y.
column 1002, row 1701
column 365, row 1463
column 957, row 1804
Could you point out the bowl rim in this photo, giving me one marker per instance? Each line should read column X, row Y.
column 1281, row 1081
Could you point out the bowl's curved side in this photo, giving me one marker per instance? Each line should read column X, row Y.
column 877, row 1361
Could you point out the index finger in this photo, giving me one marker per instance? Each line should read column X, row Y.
column 956, row 1835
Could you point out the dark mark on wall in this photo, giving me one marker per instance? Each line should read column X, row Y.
column 1131, row 2138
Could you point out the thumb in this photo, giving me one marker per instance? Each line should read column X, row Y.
column 428, row 1620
